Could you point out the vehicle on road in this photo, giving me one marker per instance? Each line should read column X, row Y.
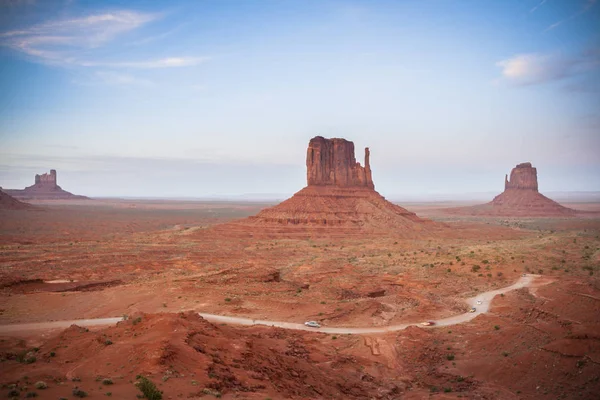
column 473, row 309
column 312, row 324
column 524, row 275
column 479, row 301
column 428, row 323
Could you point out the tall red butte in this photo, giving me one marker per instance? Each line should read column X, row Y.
column 520, row 198
column 339, row 198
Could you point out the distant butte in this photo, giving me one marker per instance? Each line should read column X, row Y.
column 340, row 197
column 520, row 198
column 44, row 188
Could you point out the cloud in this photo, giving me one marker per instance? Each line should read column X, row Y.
column 114, row 78
column 169, row 62
column 535, row 68
column 53, row 41
column 588, row 5
column 72, row 42
column 538, row 6
column 528, row 69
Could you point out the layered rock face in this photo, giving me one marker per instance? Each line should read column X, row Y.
column 522, row 177
column 520, row 198
column 44, row 188
column 331, row 162
column 339, row 198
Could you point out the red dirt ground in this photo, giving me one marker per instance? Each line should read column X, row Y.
column 163, row 257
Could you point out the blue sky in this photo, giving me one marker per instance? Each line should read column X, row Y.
column 220, row 98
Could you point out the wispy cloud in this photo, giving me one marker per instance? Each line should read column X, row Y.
column 59, row 41
column 586, row 7
column 538, row 6
column 170, row 62
column 73, row 42
column 531, row 69
column 114, row 78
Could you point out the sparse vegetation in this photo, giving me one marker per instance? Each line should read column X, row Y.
column 148, row 388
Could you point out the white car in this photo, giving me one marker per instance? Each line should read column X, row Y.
column 479, row 302
column 428, row 323
column 312, row 324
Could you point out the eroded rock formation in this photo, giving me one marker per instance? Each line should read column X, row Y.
column 339, row 198
column 331, row 162
column 522, row 177
column 520, row 198
column 45, row 188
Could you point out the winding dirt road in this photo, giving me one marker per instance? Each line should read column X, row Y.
column 485, row 299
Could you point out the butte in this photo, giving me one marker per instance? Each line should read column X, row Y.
column 520, row 198
column 339, row 199
column 44, row 188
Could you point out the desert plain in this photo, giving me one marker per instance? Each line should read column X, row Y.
column 156, row 263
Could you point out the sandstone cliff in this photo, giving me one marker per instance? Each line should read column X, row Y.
column 522, row 177
column 332, row 162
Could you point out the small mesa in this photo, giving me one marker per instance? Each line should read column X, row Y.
column 44, row 188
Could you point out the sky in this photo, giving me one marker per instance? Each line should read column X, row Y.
column 215, row 98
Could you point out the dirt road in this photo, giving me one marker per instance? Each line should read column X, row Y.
column 485, row 299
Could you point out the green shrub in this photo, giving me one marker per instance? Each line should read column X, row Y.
column 450, row 357
column 79, row 393
column 149, row 389
column 475, row 268
column 41, row 385
column 107, row 381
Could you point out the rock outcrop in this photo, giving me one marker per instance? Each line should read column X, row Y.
column 44, row 188
column 522, row 177
column 7, row 202
column 339, row 198
column 331, row 162
column 520, row 198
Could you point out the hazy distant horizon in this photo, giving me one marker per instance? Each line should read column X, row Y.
column 196, row 99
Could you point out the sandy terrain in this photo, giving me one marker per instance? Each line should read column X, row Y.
column 105, row 258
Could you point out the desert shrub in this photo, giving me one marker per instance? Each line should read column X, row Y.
column 149, row 389
column 227, row 299
column 499, row 274
column 475, row 268
column 450, row 357
column 79, row 393
column 52, row 354
column 485, row 262
column 447, row 390
column 136, row 320
column 107, row 381
column 505, row 353
column 496, row 327
column 41, row 385
column 108, row 342
column 31, row 394
column 14, row 393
